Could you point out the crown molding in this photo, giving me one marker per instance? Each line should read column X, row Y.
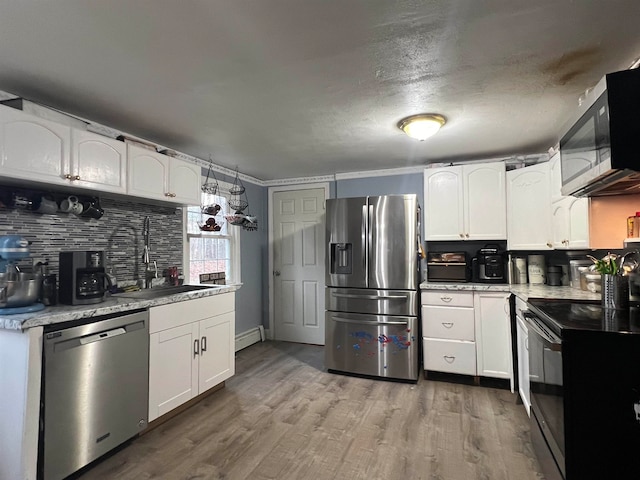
column 299, row 180
column 381, row 173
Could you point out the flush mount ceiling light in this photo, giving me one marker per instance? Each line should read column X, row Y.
column 421, row 126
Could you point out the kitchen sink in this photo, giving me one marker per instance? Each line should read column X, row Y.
column 157, row 292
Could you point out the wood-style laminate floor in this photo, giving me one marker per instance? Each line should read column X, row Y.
column 284, row 417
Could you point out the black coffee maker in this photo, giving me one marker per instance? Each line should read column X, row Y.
column 82, row 277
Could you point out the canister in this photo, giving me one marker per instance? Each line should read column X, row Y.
column 520, row 271
column 575, row 267
column 536, row 269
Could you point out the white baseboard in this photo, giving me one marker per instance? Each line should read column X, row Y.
column 251, row 336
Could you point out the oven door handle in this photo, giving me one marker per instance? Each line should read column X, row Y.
column 555, row 342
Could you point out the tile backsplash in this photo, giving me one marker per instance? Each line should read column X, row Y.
column 118, row 233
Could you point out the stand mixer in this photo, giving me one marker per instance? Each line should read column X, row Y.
column 19, row 291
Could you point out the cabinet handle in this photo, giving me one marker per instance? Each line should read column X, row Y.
column 462, row 235
column 446, row 299
column 68, row 176
column 466, row 235
column 172, row 194
column 203, row 344
column 77, row 177
column 447, row 324
column 549, row 245
column 449, row 358
column 196, row 347
column 168, row 194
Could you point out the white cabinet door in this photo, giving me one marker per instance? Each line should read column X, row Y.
column 192, row 349
column 147, row 173
column 443, row 198
column 529, row 208
column 555, row 177
column 98, row 162
column 560, row 224
column 34, row 148
column 185, row 180
column 217, row 338
column 578, row 217
column 493, row 335
column 485, row 213
column 570, row 222
column 173, row 368
column 158, row 177
column 523, row 363
column 465, row 202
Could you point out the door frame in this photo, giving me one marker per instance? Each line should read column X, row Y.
column 300, row 186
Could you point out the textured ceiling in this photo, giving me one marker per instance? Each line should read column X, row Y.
column 290, row 88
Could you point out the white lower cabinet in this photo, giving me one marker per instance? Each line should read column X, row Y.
column 467, row 333
column 493, row 335
column 191, row 350
column 450, row 356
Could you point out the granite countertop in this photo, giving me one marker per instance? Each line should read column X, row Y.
column 113, row 304
column 524, row 291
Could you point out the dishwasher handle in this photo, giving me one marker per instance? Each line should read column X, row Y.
column 97, row 337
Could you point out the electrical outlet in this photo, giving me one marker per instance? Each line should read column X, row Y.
column 35, row 260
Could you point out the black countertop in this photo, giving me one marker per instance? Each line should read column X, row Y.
column 563, row 315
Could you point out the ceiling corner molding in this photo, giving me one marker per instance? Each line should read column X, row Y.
column 299, row 180
column 381, row 173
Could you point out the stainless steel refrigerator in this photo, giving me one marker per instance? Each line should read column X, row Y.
column 372, row 277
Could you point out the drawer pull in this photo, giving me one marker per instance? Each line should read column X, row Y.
column 449, row 358
column 446, row 299
column 447, row 324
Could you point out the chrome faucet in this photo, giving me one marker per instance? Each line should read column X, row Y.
column 149, row 273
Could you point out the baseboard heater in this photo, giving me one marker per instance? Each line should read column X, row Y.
column 251, row 336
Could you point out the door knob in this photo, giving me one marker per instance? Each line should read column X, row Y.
column 276, row 273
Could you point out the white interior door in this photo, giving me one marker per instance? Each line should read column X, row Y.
column 298, row 265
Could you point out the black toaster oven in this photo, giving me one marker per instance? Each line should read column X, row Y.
column 448, row 267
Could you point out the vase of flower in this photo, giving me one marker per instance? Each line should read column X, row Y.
column 615, row 287
column 615, row 292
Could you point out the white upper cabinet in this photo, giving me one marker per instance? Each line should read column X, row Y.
column 444, row 204
column 185, row 181
column 34, row 148
column 555, row 177
column 98, row 162
column 529, row 208
column 570, row 221
column 465, row 202
column 569, row 215
column 158, row 177
column 485, row 214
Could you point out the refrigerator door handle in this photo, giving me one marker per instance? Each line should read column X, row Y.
column 369, row 297
column 364, row 237
column 361, row 322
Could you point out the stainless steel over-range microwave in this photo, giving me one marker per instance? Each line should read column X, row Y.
column 600, row 149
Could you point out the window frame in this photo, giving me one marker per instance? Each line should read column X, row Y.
column 233, row 234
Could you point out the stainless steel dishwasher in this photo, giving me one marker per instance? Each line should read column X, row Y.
column 95, row 390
